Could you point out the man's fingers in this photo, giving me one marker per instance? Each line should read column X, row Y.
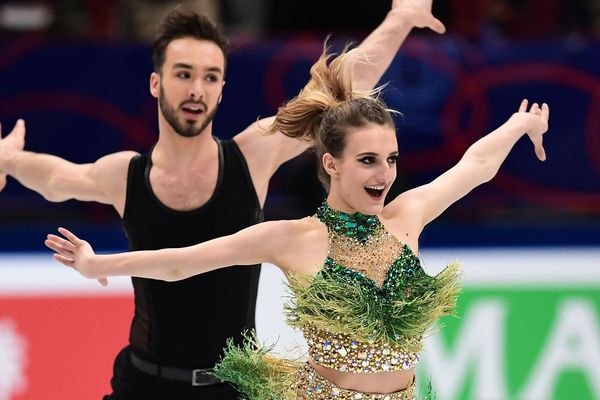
column 436, row 25
column 540, row 153
column 545, row 115
column 523, row 106
column 538, row 147
column 535, row 109
column 20, row 127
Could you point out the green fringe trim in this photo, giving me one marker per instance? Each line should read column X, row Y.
column 255, row 373
column 429, row 394
column 260, row 376
column 401, row 317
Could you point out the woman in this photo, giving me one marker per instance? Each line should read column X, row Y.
column 361, row 296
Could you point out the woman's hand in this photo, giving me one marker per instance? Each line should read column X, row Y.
column 535, row 124
column 74, row 252
column 419, row 14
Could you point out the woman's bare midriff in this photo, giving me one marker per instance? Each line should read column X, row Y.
column 379, row 382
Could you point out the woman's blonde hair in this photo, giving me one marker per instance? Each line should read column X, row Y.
column 327, row 107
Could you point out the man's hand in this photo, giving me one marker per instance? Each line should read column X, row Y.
column 419, row 14
column 15, row 141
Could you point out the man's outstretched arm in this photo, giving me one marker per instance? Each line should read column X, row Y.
column 381, row 46
column 14, row 141
column 56, row 179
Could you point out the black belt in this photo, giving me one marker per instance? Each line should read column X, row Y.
column 195, row 377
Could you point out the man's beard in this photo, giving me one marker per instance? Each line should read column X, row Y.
column 184, row 129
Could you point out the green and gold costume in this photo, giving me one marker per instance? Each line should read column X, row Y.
column 366, row 311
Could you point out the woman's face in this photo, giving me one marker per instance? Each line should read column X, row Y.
column 363, row 175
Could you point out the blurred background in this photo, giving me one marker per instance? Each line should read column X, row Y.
column 78, row 71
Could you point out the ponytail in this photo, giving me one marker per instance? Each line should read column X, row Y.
column 327, row 106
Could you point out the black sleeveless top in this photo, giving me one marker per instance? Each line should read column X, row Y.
column 185, row 324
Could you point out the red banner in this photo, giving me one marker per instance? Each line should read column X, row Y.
column 59, row 347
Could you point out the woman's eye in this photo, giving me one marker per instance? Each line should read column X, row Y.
column 367, row 160
column 392, row 159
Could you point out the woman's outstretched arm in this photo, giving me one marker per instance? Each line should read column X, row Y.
column 256, row 244
column 479, row 164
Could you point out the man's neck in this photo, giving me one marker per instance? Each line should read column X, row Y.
column 173, row 150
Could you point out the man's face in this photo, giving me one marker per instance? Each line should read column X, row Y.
column 190, row 85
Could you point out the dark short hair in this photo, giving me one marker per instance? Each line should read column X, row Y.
column 181, row 23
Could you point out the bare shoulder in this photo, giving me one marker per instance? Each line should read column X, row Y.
column 111, row 169
column 254, row 142
column 403, row 218
column 115, row 163
column 303, row 245
column 301, row 229
column 110, row 172
column 256, row 130
column 118, row 159
column 399, row 205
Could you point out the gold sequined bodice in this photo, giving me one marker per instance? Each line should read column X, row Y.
column 371, row 257
column 359, row 248
column 371, row 303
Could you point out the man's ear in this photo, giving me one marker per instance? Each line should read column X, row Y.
column 221, row 94
column 154, row 84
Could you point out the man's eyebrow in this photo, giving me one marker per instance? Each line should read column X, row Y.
column 182, row 65
column 191, row 67
column 215, row 69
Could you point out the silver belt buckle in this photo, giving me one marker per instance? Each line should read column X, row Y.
column 195, row 374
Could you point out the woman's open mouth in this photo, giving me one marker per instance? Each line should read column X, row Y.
column 375, row 192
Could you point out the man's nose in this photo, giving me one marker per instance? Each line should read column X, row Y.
column 196, row 91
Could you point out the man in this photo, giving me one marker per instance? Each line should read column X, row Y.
column 177, row 195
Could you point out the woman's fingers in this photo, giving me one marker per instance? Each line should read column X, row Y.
column 60, row 245
column 103, row 281
column 57, row 247
column 64, row 248
column 64, row 260
column 543, row 111
column 538, row 145
column 71, row 236
column 58, row 241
